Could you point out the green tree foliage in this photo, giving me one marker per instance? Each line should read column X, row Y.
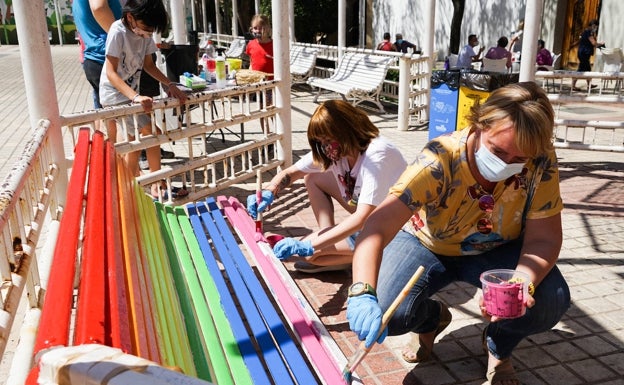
column 311, row 16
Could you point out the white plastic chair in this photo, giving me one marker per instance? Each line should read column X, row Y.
column 452, row 58
column 494, row 65
column 611, row 60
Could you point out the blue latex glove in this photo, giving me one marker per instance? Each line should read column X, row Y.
column 252, row 205
column 289, row 246
column 364, row 315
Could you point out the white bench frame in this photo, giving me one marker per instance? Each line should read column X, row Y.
column 358, row 78
column 302, row 62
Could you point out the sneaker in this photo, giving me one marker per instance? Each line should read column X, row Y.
column 164, row 154
column 305, row 267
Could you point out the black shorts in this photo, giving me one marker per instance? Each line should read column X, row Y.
column 93, row 70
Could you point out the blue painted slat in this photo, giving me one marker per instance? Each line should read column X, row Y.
column 261, row 330
column 256, row 370
column 291, row 353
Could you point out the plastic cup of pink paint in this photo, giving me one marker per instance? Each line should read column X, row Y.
column 505, row 292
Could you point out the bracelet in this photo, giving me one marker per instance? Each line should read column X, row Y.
column 135, row 96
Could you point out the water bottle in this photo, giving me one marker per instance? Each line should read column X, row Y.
column 210, row 49
column 220, row 71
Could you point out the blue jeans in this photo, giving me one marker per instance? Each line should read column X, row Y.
column 420, row 314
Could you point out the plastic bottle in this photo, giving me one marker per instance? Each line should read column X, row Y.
column 220, row 70
column 210, row 49
column 204, row 64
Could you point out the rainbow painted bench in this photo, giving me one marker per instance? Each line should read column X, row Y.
column 173, row 285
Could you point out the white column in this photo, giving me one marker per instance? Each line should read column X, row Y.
column 427, row 48
column 532, row 26
column 281, row 52
column 39, row 82
column 234, row 18
column 342, row 27
column 291, row 20
column 178, row 22
column 218, row 19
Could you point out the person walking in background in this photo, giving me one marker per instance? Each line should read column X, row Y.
column 401, row 45
column 485, row 197
column 350, row 164
column 386, row 44
column 500, row 51
column 129, row 49
column 93, row 19
column 467, row 55
column 587, row 44
column 544, row 57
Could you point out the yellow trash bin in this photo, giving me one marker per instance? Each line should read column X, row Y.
column 475, row 87
column 467, row 99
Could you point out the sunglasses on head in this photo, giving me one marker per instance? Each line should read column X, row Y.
column 486, row 204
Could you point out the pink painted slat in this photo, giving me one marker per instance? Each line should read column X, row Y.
column 319, row 354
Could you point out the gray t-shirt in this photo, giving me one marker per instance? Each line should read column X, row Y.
column 131, row 50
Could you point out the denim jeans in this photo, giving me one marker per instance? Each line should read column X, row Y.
column 420, row 314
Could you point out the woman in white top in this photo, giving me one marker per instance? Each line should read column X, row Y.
column 349, row 163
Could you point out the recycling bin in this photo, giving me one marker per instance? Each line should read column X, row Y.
column 444, row 98
column 475, row 87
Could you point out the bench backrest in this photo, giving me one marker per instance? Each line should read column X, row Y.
column 362, row 71
column 302, row 59
column 236, row 49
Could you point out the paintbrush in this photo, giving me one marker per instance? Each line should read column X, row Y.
column 259, row 233
column 362, row 350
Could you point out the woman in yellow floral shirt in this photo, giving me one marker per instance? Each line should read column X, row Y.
column 485, row 197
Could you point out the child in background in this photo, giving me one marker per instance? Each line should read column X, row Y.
column 129, row 49
column 260, row 49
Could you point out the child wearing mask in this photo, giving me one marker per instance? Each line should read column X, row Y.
column 129, row 48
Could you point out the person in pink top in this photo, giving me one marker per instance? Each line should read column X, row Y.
column 544, row 57
column 500, row 51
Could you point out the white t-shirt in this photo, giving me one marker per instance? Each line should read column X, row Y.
column 131, row 50
column 464, row 60
column 373, row 173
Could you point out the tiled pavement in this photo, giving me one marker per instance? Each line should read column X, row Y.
column 586, row 347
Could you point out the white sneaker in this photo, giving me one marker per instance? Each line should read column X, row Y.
column 305, row 267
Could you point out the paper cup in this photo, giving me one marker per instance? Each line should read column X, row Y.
column 502, row 298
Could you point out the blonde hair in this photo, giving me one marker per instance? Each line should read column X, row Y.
column 529, row 110
column 338, row 120
column 265, row 22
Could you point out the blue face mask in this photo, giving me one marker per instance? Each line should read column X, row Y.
column 399, row 41
column 493, row 168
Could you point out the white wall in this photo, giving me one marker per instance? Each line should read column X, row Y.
column 489, row 19
column 611, row 27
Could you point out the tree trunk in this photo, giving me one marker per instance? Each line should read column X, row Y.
column 458, row 15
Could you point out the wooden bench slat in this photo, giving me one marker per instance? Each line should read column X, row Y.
column 173, row 341
column 220, row 372
column 247, row 350
column 255, row 293
column 90, row 325
column 119, row 328
column 142, row 326
column 327, row 364
column 198, row 348
column 235, row 360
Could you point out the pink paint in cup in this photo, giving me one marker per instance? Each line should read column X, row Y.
column 505, row 292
